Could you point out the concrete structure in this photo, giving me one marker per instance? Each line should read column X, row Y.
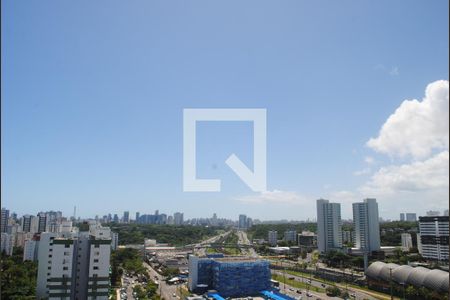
column 290, row 236
column 137, row 216
column 380, row 274
column 114, row 240
column 242, row 222
column 126, row 217
column 4, row 220
column 178, row 218
column 433, row 213
column 30, row 250
column 411, row 217
column 419, row 243
column 272, row 237
column 230, row 277
column 366, row 225
column 7, row 243
column 307, row 240
column 74, row 265
column 434, row 237
column 329, row 225
column 407, row 243
column 347, row 237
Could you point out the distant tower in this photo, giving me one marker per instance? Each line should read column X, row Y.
column 74, row 212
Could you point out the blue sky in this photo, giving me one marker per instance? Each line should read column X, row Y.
column 93, row 94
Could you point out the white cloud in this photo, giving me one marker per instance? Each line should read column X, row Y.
column 275, row 196
column 417, row 127
column 417, row 176
column 364, row 171
column 369, row 160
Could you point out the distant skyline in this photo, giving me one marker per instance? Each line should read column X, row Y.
column 93, row 95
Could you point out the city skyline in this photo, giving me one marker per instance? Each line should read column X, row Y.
column 92, row 108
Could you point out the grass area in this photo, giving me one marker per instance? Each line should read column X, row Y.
column 340, row 285
column 296, row 284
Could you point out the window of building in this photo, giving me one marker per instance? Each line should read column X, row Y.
column 65, row 268
column 95, row 268
column 96, row 260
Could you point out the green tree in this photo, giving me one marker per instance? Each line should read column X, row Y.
column 18, row 278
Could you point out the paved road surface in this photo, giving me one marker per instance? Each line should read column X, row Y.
column 358, row 294
column 165, row 290
column 243, row 239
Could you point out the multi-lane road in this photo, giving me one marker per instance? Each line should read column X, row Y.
column 243, row 240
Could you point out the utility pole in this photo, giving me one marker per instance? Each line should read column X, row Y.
column 390, row 282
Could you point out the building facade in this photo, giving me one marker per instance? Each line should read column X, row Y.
column 272, row 237
column 434, row 237
column 230, row 277
column 290, row 236
column 366, row 225
column 74, row 265
column 329, row 226
column 407, row 243
column 411, row 217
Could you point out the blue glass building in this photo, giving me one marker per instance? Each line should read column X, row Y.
column 230, row 277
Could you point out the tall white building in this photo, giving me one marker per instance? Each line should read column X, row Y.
column 74, row 265
column 272, row 237
column 366, row 225
column 434, row 237
column 411, row 217
column 407, row 243
column 329, row 225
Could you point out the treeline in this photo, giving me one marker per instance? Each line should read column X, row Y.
column 128, row 260
column 260, row 231
column 390, row 232
column 171, row 234
column 18, row 278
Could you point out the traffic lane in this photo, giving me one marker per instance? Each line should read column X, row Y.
column 292, row 291
column 358, row 294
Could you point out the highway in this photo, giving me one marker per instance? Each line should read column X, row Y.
column 243, row 240
column 359, row 295
column 201, row 251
